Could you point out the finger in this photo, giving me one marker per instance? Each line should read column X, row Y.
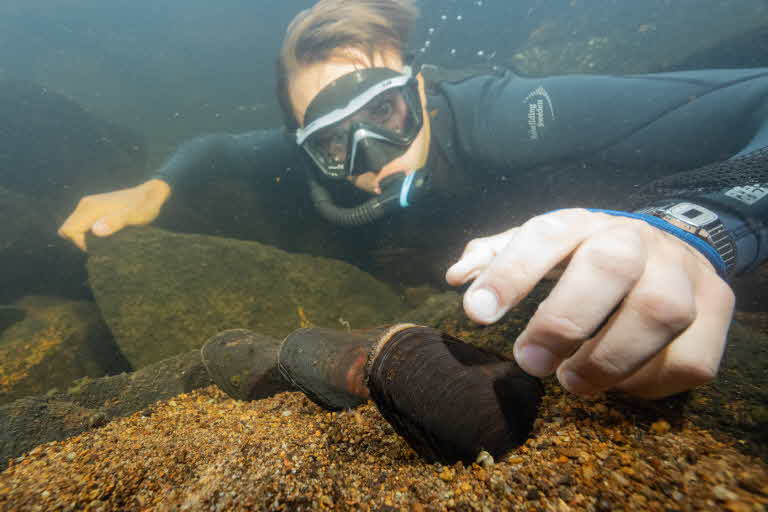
column 694, row 357
column 477, row 255
column 79, row 240
column 75, row 227
column 602, row 271
column 655, row 313
column 75, row 236
column 557, row 271
column 538, row 246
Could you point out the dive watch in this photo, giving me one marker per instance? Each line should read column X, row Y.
column 701, row 222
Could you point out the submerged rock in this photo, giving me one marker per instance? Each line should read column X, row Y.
column 91, row 403
column 33, row 259
column 162, row 293
column 616, row 37
column 52, row 343
column 52, row 152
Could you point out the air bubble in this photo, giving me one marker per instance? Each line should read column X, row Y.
column 459, row 17
column 443, row 17
column 427, row 43
column 453, row 51
column 480, row 53
column 431, row 30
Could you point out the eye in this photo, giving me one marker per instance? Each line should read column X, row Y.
column 330, row 139
column 336, row 147
column 382, row 111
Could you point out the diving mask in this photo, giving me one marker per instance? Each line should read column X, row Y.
column 362, row 121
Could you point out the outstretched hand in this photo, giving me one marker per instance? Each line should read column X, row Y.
column 635, row 309
column 108, row 213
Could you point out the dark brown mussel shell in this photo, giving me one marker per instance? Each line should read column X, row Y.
column 328, row 364
column 448, row 399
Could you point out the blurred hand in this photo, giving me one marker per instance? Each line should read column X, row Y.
column 104, row 214
column 635, row 308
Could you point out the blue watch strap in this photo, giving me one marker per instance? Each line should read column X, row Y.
column 697, row 243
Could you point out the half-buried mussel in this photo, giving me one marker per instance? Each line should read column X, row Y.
column 328, row 365
column 448, row 399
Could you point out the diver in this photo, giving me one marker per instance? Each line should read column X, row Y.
column 642, row 302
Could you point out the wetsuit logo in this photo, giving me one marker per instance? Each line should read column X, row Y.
column 748, row 194
column 538, row 101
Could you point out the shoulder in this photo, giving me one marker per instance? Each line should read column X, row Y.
column 436, row 77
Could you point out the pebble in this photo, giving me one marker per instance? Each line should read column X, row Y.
column 752, row 483
column 724, row 494
column 195, row 455
column 738, row 506
column 446, row 475
column 485, row 459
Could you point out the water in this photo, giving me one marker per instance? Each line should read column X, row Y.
column 178, row 69
column 95, row 95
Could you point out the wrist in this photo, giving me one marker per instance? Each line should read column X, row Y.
column 702, row 223
column 722, row 265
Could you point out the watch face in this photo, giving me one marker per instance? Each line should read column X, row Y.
column 692, row 214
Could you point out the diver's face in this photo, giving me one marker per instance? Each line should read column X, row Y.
column 310, row 80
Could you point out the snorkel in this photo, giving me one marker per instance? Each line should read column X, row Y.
column 397, row 192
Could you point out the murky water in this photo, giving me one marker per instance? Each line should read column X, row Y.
column 95, row 96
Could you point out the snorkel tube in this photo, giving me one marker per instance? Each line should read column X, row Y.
column 397, row 191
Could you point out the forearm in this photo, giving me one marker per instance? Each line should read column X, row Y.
column 254, row 155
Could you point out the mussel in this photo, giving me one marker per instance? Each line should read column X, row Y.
column 449, row 400
column 328, row 365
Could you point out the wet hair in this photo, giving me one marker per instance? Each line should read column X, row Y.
column 332, row 26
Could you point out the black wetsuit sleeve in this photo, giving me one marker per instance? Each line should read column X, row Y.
column 674, row 121
column 254, row 155
column 744, row 209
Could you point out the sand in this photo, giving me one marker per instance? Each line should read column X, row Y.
column 205, row 451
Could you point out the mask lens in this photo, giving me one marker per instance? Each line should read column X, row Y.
column 329, row 147
column 385, row 127
column 389, row 111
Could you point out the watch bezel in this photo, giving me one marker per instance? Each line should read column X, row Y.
column 713, row 232
column 680, row 211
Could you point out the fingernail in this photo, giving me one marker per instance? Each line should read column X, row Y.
column 535, row 359
column 100, row 228
column 574, row 383
column 483, row 305
column 459, row 267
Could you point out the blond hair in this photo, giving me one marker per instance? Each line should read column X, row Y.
column 333, row 26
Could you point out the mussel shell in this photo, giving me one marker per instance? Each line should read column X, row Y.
column 448, row 399
column 328, row 364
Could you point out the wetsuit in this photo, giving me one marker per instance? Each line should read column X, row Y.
column 493, row 129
